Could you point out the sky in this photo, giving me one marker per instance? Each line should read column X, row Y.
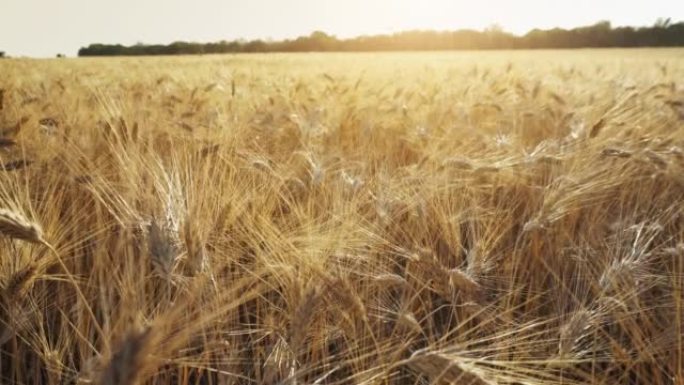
column 43, row 28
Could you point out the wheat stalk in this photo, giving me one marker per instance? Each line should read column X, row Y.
column 303, row 316
column 408, row 321
column 163, row 249
column 462, row 281
column 126, row 364
column 572, row 331
column 20, row 282
column 441, row 369
column 16, row 226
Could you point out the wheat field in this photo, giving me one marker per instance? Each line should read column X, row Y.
column 398, row 218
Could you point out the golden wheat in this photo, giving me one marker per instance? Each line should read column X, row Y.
column 395, row 218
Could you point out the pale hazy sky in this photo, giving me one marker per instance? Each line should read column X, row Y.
column 46, row 27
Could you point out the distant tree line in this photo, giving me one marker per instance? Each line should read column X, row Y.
column 663, row 33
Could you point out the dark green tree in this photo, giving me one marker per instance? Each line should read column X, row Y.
column 602, row 34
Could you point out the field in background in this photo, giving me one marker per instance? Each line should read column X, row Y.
column 415, row 218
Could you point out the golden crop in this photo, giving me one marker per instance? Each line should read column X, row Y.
column 412, row 218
